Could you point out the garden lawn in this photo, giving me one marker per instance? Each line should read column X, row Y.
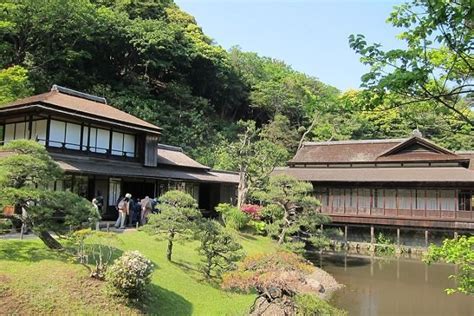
column 33, row 279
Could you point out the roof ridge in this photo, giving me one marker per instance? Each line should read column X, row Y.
column 170, row 147
column 223, row 171
column 79, row 94
column 355, row 141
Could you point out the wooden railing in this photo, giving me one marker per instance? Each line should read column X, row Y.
column 401, row 213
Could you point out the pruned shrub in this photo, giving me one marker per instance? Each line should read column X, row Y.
column 252, row 210
column 259, row 226
column 265, row 273
column 130, row 274
column 219, row 249
column 277, row 278
column 6, row 226
column 177, row 219
column 310, row 305
column 95, row 248
column 232, row 217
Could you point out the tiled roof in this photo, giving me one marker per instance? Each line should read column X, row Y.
column 467, row 155
column 361, row 151
column 174, row 156
column 352, row 151
column 73, row 104
column 102, row 166
column 368, row 175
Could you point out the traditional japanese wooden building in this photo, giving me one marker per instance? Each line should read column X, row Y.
column 109, row 152
column 409, row 182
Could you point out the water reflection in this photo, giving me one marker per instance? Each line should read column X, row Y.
column 393, row 286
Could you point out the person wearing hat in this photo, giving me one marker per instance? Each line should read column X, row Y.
column 123, row 209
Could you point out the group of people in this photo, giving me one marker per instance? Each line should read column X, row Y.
column 132, row 211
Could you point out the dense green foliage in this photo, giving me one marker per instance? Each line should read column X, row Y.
column 232, row 217
column 309, row 305
column 24, row 175
column 459, row 251
column 437, row 64
column 151, row 59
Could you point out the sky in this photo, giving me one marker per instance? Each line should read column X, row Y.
column 310, row 35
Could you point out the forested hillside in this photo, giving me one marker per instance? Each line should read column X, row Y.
column 151, row 59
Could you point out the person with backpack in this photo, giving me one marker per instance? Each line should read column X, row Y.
column 123, row 210
column 134, row 212
column 147, row 207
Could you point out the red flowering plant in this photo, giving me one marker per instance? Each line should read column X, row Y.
column 252, row 210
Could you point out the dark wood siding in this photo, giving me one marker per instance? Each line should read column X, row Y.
column 151, row 151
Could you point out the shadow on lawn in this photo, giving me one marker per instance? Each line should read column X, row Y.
column 161, row 301
column 28, row 251
column 186, row 266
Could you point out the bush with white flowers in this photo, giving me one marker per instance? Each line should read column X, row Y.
column 130, row 274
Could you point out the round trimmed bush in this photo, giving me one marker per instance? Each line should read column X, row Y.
column 130, row 274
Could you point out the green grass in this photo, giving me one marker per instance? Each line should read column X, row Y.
column 35, row 280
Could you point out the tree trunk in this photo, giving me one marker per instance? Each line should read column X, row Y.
column 285, row 226
column 49, row 241
column 169, row 251
column 243, row 188
column 282, row 236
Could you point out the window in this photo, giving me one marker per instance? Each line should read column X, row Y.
column 16, row 131
column 390, row 199
column 73, row 136
column 129, row 145
column 9, row 132
column 432, row 200
column 117, row 143
column 377, row 195
column 338, row 198
column 99, row 140
column 123, row 144
column 404, row 199
column 465, row 201
column 64, row 134
column 447, row 200
column 57, row 133
column 322, row 194
column 364, row 198
column 103, row 140
column 420, row 200
column 38, row 131
column 21, row 130
column 114, row 190
column 350, row 198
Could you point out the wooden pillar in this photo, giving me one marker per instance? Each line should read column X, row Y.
column 372, row 237
column 30, row 126
column 48, row 127
column 345, row 234
column 426, row 238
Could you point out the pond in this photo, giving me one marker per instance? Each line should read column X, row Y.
column 405, row 287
